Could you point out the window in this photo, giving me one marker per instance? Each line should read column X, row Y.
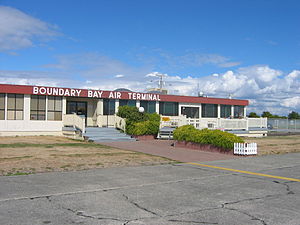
column 190, row 112
column 210, row 110
column 38, row 107
column 238, row 111
column 225, row 111
column 15, row 105
column 127, row 102
column 109, row 106
column 54, row 108
column 2, row 106
column 149, row 106
column 168, row 108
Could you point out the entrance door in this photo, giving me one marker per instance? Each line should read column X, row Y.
column 190, row 112
column 79, row 108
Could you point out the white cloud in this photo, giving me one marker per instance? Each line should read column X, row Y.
column 166, row 61
column 293, row 102
column 267, row 89
column 19, row 30
column 119, row 76
column 229, row 64
column 261, row 73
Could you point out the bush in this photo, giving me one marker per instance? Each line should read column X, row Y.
column 139, row 123
column 183, row 132
column 131, row 113
column 213, row 137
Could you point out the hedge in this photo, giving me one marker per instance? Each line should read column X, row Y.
column 139, row 123
column 217, row 138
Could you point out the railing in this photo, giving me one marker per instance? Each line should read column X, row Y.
column 278, row 124
column 214, row 123
column 74, row 121
column 233, row 124
column 245, row 149
column 120, row 123
column 172, row 121
column 258, row 122
column 106, row 120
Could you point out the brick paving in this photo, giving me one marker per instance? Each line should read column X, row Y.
column 163, row 148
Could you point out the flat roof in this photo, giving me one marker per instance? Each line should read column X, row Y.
column 90, row 93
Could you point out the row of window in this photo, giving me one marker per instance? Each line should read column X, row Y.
column 15, row 107
column 211, row 111
column 171, row 109
column 109, row 105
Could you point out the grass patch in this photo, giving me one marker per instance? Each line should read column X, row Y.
column 18, row 174
column 94, row 154
column 294, row 144
column 76, row 145
column 271, row 145
column 16, row 158
column 65, row 166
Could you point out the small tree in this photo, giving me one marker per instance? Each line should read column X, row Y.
column 253, row 115
column 294, row 115
column 266, row 114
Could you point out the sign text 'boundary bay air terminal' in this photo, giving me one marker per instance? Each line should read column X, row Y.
column 26, row 109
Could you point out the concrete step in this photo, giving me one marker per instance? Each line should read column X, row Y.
column 100, row 134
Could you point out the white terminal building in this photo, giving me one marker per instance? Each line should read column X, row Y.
column 40, row 110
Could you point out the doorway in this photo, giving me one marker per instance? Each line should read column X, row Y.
column 79, row 108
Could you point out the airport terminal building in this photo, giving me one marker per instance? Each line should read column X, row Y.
column 31, row 110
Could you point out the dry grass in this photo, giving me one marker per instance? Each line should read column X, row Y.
column 276, row 144
column 24, row 155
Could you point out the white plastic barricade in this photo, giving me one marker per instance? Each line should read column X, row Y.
column 245, row 149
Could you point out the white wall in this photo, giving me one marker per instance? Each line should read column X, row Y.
column 27, row 125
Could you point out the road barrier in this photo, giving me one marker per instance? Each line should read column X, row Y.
column 245, row 149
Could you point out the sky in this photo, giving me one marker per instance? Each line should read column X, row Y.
column 247, row 49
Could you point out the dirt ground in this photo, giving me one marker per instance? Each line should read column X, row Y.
column 276, row 144
column 23, row 155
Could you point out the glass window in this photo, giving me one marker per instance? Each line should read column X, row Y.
column 15, row 105
column 54, row 108
column 168, row 108
column 109, row 106
column 149, row 106
column 38, row 107
column 238, row 111
column 210, row 110
column 225, row 111
column 190, row 112
column 123, row 102
column 2, row 106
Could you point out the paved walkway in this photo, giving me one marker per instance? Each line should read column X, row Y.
column 163, row 148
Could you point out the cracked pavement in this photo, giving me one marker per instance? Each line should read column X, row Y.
column 163, row 194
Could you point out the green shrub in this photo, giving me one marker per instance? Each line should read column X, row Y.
column 213, row 137
column 131, row 113
column 181, row 133
column 139, row 123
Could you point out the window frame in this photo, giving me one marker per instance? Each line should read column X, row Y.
column 224, row 113
column 2, row 110
column 15, row 109
column 147, row 106
column 39, row 112
column 204, row 112
column 55, row 111
column 175, row 108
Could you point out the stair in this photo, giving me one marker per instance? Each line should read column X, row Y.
column 106, row 134
column 165, row 133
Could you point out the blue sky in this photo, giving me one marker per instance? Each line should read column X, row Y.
column 246, row 48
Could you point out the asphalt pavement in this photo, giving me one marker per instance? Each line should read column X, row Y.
column 170, row 194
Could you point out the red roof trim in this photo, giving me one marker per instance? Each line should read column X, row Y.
column 26, row 89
